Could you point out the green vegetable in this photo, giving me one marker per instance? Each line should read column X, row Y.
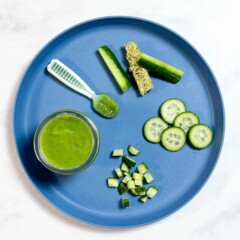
column 117, row 153
column 173, row 139
column 148, row 177
column 112, row 182
column 171, row 108
column 130, row 184
column 142, row 168
column 125, row 202
column 137, row 176
column 129, row 161
column 125, row 168
column 153, row 129
column 152, row 191
column 200, row 136
column 143, row 199
column 115, row 68
column 126, row 179
column 186, row 120
column 160, row 68
column 118, row 172
column 134, row 151
column 122, row 188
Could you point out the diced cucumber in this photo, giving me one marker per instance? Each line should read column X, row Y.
column 137, row 176
column 152, row 191
column 117, row 153
column 126, row 179
column 171, row 108
column 138, row 191
column 129, row 161
column 143, row 199
column 118, row 172
column 125, row 168
column 163, row 69
column 173, row 139
column 112, row 182
column 126, row 173
column 148, row 177
column 200, row 136
column 125, row 202
column 134, row 151
column 122, row 188
column 186, row 120
column 142, row 168
column 153, row 129
column 138, row 182
column 115, row 68
column 130, row 184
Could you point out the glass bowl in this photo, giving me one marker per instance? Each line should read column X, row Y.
column 66, row 171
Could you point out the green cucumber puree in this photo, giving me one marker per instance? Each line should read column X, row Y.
column 66, row 142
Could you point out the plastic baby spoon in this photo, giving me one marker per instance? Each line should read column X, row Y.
column 103, row 103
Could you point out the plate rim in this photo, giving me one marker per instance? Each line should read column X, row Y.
column 130, row 18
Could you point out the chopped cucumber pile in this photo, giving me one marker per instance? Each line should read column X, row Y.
column 183, row 125
column 132, row 181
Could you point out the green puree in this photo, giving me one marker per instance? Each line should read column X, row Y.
column 66, row 142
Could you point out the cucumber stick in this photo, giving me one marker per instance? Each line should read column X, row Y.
column 160, row 68
column 115, row 68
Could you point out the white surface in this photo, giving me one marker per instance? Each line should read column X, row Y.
column 211, row 26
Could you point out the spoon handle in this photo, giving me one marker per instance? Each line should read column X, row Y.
column 69, row 78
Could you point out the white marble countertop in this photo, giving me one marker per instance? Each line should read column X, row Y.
column 211, row 26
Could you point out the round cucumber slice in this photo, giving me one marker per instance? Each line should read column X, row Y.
column 173, row 139
column 171, row 108
column 200, row 136
column 186, row 120
column 153, row 128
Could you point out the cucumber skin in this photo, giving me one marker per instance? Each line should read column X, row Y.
column 160, row 68
column 122, row 79
column 192, row 144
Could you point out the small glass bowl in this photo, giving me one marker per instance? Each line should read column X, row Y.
column 87, row 163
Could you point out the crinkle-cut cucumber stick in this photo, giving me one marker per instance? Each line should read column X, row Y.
column 160, row 68
column 115, row 68
column 200, row 136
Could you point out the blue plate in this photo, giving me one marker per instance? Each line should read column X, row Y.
column 179, row 176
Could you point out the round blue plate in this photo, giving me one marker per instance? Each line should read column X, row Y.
column 179, row 176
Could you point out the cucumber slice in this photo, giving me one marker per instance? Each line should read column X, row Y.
column 122, row 188
column 186, row 120
column 148, row 177
column 142, row 168
column 173, row 139
column 160, row 68
column 143, row 199
column 117, row 153
column 115, row 68
column 134, row 151
column 125, row 202
column 171, row 108
column 200, row 136
column 129, row 161
column 152, row 191
column 112, row 182
column 153, row 128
